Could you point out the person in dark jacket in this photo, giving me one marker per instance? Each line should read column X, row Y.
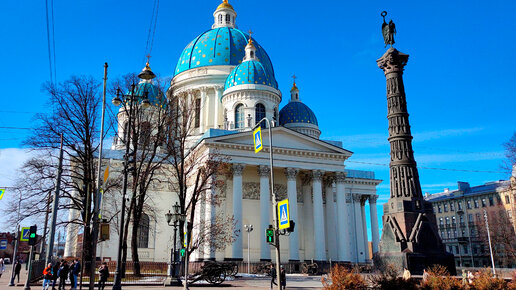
column 17, row 269
column 104, row 275
column 75, row 270
column 63, row 274
column 47, row 276
column 55, row 269
column 283, row 278
column 273, row 276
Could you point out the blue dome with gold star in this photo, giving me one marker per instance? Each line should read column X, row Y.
column 296, row 112
column 250, row 72
column 219, row 46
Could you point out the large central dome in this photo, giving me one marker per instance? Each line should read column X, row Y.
column 219, row 46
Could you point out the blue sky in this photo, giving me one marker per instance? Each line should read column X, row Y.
column 459, row 79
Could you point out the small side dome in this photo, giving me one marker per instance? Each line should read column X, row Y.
column 298, row 116
column 156, row 97
column 297, row 112
column 250, row 72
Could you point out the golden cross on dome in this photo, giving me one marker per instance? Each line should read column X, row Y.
column 294, row 77
column 148, row 56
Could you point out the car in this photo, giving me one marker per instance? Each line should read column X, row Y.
column 7, row 261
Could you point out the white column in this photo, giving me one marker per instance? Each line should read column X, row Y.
column 331, row 227
column 202, row 119
column 351, row 227
column 209, row 220
column 342, row 219
column 265, row 205
column 293, row 246
column 218, row 103
column 359, row 229
column 364, row 225
column 72, row 231
column 237, row 210
column 199, row 227
column 319, row 238
column 308, row 222
column 374, row 222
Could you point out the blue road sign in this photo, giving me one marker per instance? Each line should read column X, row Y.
column 283, row 214
column 3, row 244
column 25, row 234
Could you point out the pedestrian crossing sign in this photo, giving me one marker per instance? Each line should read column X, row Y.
column 2, row 191
column 283, row 215
column 25, row 234
column 257, row 137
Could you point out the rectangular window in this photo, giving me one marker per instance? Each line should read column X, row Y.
column 457, row 250
column 197, row 113
column 470, row 218
column 454, row 234
column 448, row 234
column 477, row 216
column 491, row 201
column 472, row 233
column 445, row 207
column 469, row 203
column 439, row 209
column 476, row 203
column 482, row 248
column 452, row 206
column 466, row 249
column 507, row 199
column 453, row 220
column 441, row 221
column 484, row 202
column 459, row 205
column 461, row 219
column 498, row 199
column 447, row 221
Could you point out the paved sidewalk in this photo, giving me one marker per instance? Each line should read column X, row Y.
column 251, row 283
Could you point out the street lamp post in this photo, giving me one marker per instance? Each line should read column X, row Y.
column 490, row 246
column 176, row 217
column 274, row 202
column 125, row 100
column 248, row 229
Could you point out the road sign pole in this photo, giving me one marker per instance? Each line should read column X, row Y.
column 27, row 282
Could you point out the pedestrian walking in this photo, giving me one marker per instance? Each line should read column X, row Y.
column 2, row 267
column 273, row 276
column 283, row 278
column 74, row 272
column 47, row 276
column 104, row 275
column 17, row 269
column 470, row 277
column 63, row 274
column 464, row 277
column 55, row 269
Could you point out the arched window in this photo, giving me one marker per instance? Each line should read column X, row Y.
column 239, row 116
column 197, row 113
column 220, row 18
column 228, row 19
column 259, row 113
column 252, row 54
column 143, row 231
column 125, row 132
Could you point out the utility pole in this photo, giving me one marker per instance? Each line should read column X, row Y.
column 489, row 239
column 96, row 205
column 55, row 204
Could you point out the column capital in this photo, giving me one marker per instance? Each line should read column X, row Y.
column 264, row 170
column 373, row 198
column 237, row 169
column 340, row 177
column 291, row 173
column 317, row 175
column 357, row 197
column 392, row 61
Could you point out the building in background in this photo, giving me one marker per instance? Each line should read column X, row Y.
column 461, row 222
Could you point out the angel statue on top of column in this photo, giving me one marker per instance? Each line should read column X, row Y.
column 388, row 30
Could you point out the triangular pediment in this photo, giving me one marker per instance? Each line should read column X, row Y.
column 283, row 138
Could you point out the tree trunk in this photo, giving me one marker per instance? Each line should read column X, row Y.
column 134, row 243
column 126, row 233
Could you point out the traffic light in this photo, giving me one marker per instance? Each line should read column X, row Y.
column 32, row 235
column 182, row 252
column 269, row 235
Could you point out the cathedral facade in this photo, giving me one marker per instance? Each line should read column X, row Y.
column 230, row 79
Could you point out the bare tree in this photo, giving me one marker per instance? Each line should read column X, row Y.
column 510, row 153
column 74, row 111
column 195, row 172
column 503, row 236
